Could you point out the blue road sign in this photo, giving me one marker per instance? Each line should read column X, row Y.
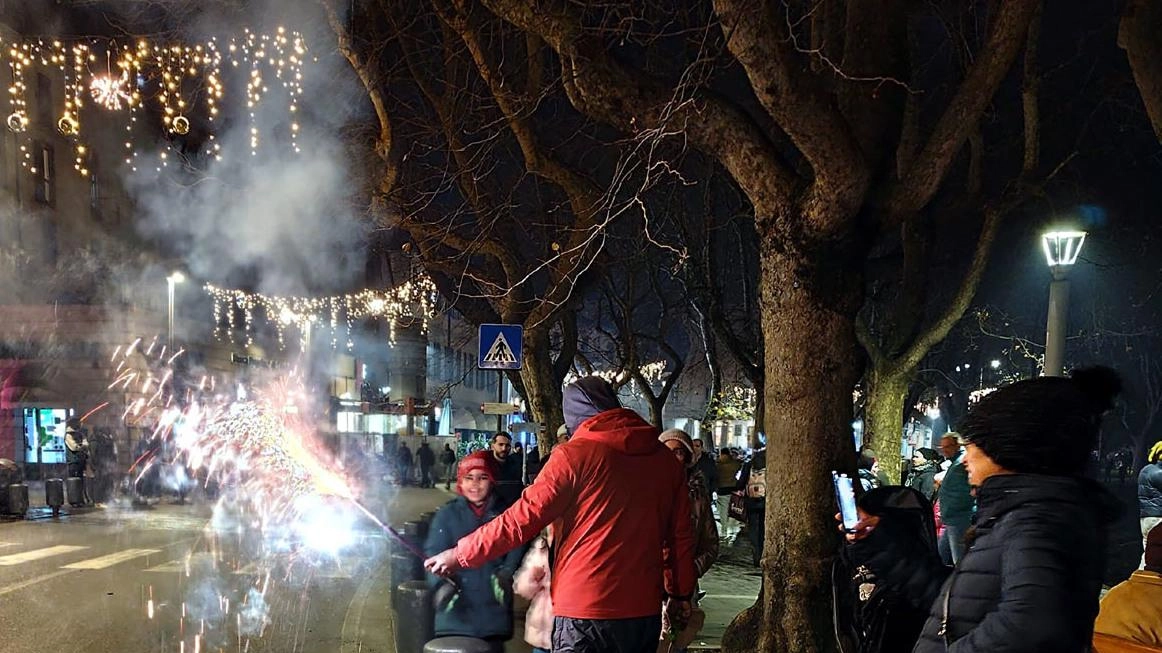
column 500, row 346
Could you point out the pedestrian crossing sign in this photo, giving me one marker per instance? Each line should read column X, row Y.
column 500, row 346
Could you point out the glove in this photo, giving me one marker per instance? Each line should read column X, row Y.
column 502, row 587
column 677, row 615
column 445, row 596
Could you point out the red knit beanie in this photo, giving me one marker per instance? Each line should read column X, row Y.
column 473, row 462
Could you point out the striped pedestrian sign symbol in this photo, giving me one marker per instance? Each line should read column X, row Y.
column 500, row 354
column 500, row 347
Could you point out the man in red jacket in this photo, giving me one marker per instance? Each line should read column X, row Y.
column 620, row 511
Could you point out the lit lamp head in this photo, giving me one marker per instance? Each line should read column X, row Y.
column 175, row 278
column 1062, row 249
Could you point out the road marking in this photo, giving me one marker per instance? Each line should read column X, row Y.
column 38, row 554
column 8, row 589
column 737, row 597
column 111, row 559
column 351, row 634
column 172, row 566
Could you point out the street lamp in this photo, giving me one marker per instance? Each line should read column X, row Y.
column 171, row 281
column 1061, row 251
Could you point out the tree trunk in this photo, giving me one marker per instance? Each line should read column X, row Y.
column 542, row 391
column 887, row 391
column 808, row 310
column 656, row 407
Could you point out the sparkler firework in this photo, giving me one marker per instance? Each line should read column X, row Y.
column 259, row 448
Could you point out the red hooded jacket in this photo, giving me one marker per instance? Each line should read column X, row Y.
column 620, row 511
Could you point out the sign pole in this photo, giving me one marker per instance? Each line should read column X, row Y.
column 499, row 399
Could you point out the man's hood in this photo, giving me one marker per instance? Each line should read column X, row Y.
column 622, row 430
column 586, row 398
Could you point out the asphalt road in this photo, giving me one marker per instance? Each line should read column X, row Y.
column 178, row 578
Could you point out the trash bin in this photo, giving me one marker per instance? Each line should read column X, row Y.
column 54, row 494
column 17, row 503
column 414, row 617
column 457, row 645
column 75, row 490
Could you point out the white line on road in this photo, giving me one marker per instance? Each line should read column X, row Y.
column 8, row 589
column 38, row 554
column 173, row 566
column 111, row 559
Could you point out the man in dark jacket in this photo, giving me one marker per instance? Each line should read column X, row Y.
column 1030, row 580
column 1150, row 494
column 956, row 501
column 426, row 458
column 618, row 502
column 704, row 462
column 404, row 457
column 922, row 476
column 508, row 469
column 448, row 458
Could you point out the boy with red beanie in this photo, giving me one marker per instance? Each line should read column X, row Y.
column 482, row 607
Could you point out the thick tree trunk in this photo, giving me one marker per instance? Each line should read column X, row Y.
column 542, row 391
column 884, row 418
column 808, row 310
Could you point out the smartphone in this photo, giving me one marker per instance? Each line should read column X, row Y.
column 845, row 497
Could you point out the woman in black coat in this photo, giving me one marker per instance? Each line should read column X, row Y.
column 1030, row 580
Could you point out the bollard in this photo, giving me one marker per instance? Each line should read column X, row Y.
column 414, row 619
column 458, row 645
column 404, row 567
column 75, row 490
column 415, row 532
column 17, row 499
column 54, row 494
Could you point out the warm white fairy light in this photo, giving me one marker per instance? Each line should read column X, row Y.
column 175, row 75
column 413, row 302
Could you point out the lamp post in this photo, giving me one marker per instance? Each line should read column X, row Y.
column 1061, row 251
column 171, row 281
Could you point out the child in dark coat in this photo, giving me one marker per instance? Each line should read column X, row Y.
column 482, row 607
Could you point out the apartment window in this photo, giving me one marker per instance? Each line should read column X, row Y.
column 44, row 101
column 45, row 174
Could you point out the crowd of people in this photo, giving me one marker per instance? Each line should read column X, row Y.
column 1020, row 558
column 995, row 541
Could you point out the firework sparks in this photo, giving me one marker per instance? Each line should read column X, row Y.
column 109, row 91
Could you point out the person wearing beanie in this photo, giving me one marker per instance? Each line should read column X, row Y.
column 922, row 476
column 1150, row 493
column 482, row 606
column 701, row 515
column 623, row 545
column 1030, row 578
column 1132, row 610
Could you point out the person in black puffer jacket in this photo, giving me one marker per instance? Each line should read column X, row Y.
column 1150, row 494
column 1030, row 579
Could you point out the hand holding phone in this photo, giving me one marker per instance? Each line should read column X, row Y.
column 845, row 497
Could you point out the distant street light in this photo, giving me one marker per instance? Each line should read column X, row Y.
column 171, row 281
column 995, row 364
column 1061, row 251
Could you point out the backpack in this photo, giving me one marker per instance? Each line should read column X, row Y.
column 756, row 483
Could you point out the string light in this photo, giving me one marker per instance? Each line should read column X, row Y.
column 182, row 73
column 410, row 303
